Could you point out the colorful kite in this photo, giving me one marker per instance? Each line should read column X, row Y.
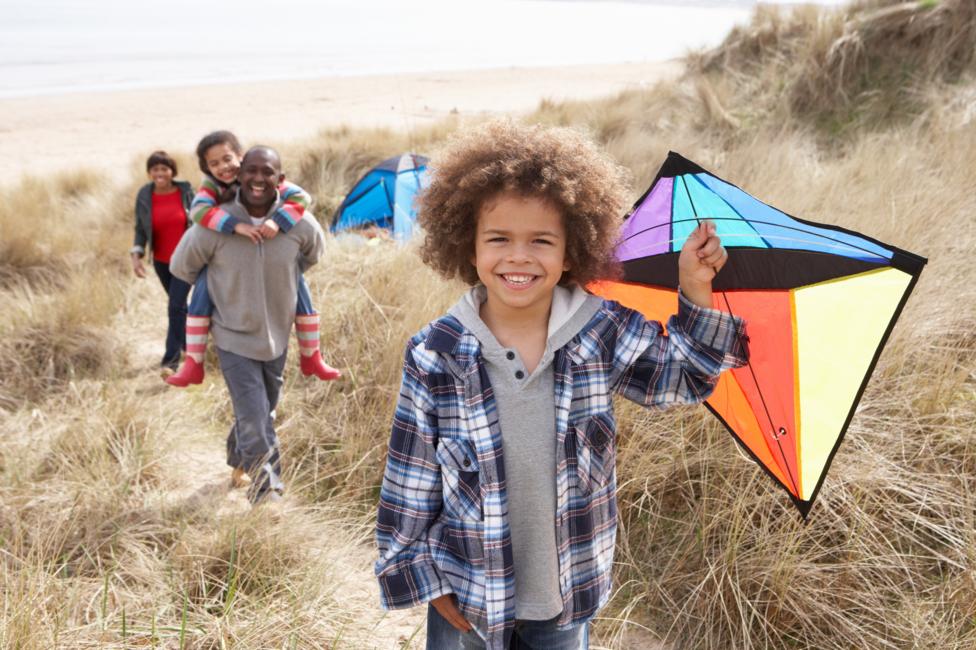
column 820, row 302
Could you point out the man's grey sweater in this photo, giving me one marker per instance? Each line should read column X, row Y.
column 253, row 287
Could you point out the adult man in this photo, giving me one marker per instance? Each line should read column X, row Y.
column 254, row 290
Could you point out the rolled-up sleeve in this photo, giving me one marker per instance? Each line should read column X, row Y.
column 681, row 367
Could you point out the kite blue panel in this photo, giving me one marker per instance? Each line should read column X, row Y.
column 729, row 224
column 782, row 231
column 683, row 216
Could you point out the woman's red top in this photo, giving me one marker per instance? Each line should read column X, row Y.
column 168, row 224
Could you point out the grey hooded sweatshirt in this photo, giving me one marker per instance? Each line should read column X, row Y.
column 527, row 418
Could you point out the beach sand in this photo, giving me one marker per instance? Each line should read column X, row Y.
column 113, row 132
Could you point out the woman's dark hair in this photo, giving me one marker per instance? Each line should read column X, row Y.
column 161, row 158
column 213, row 139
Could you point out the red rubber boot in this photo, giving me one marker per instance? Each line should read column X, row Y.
column 313, row 364
column 190, row 372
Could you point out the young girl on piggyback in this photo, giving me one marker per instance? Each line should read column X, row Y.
column 497, row 507
column 219, row 156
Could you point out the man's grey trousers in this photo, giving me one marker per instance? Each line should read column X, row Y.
column 252, row 444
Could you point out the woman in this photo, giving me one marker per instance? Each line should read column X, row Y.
column 162, row 208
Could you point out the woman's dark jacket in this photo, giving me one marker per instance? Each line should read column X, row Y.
column 143, row 238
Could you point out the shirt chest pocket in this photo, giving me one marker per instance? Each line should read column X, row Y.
column 592, row 446
column 461, row 479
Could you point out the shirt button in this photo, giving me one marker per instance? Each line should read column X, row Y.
column 466, row 462
column 519, row 374
column 509, row 355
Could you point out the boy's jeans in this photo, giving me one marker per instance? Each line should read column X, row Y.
column 529, row 635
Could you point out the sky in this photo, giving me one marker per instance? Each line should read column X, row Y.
column 58, row 46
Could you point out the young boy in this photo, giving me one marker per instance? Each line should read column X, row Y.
column 498, row 502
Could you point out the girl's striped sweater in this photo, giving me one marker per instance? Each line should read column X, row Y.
column 206, row 211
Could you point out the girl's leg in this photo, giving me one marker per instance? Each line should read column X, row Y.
column 197, row 329
column 304, row 306
column 307, row 331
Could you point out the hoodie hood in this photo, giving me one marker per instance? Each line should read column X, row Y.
column 572, row 308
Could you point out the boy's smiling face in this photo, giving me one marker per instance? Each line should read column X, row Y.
column 519, row 252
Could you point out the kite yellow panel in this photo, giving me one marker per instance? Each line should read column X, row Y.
column 839, row 326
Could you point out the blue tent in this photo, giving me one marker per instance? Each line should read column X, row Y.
column 384, row 197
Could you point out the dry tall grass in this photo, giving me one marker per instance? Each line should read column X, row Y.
column 117, row 529
column 866, row 65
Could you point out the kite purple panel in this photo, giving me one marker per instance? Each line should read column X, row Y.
column 648, row 230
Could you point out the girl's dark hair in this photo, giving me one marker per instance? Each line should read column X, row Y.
column 212, row 139
column 161, row 158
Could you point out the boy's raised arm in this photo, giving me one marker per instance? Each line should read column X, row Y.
column 682, row 367
column 410, row 499
column 655, row 369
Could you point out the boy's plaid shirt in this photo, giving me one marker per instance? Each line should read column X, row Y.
column 442, row 525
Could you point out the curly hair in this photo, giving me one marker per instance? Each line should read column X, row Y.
column 558, row 165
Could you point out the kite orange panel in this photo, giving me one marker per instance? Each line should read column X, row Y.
column 768, row 380
column 736, row 399
column 655, row 303
column 730, row 403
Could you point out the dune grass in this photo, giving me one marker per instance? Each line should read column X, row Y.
column 116, row 526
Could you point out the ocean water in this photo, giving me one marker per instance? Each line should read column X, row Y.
column 63, row 46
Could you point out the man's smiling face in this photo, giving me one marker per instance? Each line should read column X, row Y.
column 259, row 178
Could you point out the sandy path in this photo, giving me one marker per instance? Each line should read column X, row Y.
column 106, row 131
column 199, row 476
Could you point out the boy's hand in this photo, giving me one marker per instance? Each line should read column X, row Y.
column 249, row 231
column 268, row 229
column 445, row 607
column 137, row 267
column 701, row 258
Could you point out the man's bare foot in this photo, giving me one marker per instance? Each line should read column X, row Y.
column 239, row 478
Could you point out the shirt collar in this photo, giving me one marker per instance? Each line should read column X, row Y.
column 572, row 307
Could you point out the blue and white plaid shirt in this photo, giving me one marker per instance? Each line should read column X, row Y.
column 442, row 525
